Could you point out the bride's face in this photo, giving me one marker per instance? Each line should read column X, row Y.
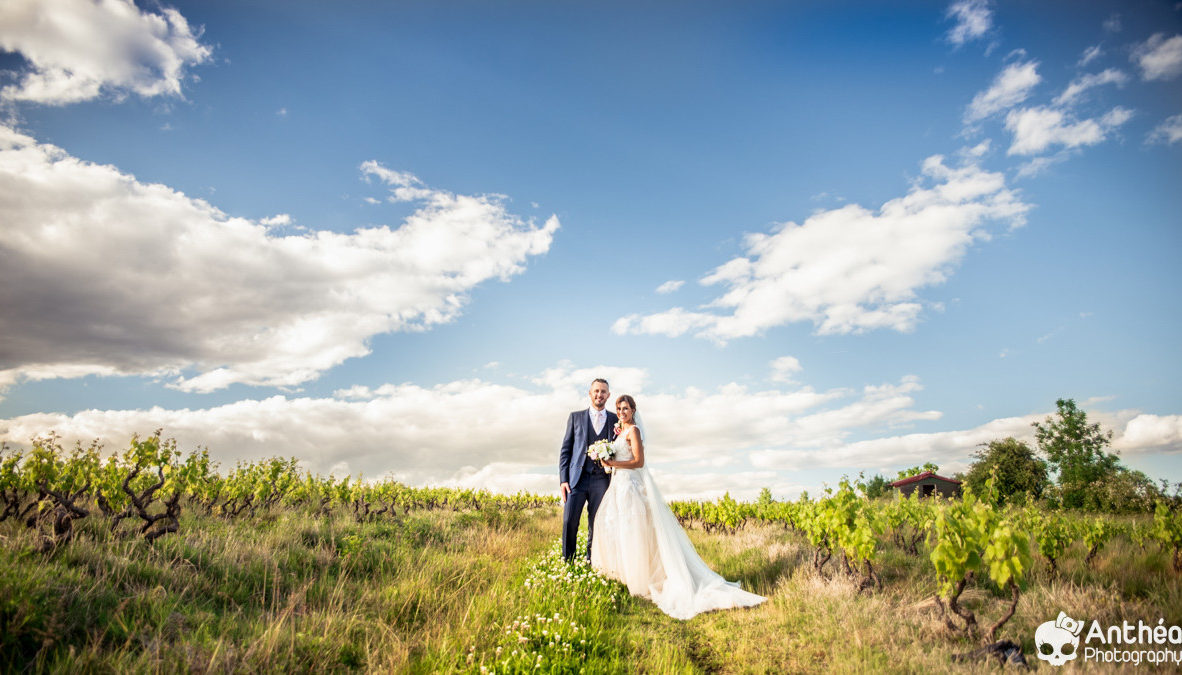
column 624, row 412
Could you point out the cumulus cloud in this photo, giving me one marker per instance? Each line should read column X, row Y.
column 101, row 273
column 476, row 431
column 1159, row 58
column 1083, row 83
column 279, row 220
column 1011, row 87
column 849, row 269
column 1038, row 129
column 505, row 436
column 669, row 287
column 77, row 50
column 973, row 19
column 1168, row 132
column 943, row 448
column 1134, row 433
column 785, row 368
column 566, row 377
column 1151, row 432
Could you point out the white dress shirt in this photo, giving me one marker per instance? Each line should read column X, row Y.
column 598, row 419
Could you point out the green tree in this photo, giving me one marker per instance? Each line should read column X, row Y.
column 1075, row 451
column 1126, row 490
column 877, row 487
column 1017, row 469
column 916, row 470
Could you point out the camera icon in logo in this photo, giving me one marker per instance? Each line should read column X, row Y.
column 1058, row 640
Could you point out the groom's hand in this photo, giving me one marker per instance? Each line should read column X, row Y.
column 565, row 490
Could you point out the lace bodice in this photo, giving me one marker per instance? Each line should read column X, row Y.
column 623, row 449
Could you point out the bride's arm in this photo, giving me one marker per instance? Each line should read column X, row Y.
column 637, row 460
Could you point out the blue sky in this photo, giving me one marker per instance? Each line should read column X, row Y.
column 399, row 239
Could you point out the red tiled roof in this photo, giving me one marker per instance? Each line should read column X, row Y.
column 921, row 476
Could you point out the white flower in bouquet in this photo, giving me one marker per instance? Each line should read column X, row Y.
column 601, row 450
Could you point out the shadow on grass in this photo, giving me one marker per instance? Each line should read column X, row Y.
column 757, row 571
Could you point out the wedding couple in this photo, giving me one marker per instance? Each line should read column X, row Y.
column 632, row 535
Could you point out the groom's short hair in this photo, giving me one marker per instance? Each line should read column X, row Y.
column 600, row 379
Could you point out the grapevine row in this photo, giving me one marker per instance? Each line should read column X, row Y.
column 966, row 540
column 148, row 484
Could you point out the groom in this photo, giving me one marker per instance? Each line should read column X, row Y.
column 583, row 481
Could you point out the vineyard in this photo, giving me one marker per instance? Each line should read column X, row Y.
column 48, row 490
column 150, row 559
column 966, row 540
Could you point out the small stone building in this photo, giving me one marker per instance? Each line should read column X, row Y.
column 929, row 485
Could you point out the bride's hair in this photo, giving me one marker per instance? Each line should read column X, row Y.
column 631, row 402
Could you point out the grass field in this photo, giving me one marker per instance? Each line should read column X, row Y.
column 442, row 591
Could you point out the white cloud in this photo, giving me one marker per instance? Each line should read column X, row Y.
column 973, row 19
column 784, row 368
column 468, row 431
column 672, row 323
column 975, row 152
column 1112, row 24
column 105, row 274
column 1012, row 86
column 1151, row 432
column 277, row 220
column 78, row 50
column 565, row 377
column 941, row 448
column 1158, row 57
column 502, row 477
column 1168, row 132
column 669, row 287
column 711, row 485
column 1135, row 433
column 1081, row 84
column 848, row 269
column 1090, row 54
column 1037, row 165
column 478, row 433
column 1041, row 128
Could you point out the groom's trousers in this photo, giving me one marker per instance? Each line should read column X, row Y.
column 587, row 492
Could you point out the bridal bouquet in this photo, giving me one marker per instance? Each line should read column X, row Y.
column 600, row 450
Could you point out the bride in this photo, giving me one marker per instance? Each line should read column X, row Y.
column 638, row 540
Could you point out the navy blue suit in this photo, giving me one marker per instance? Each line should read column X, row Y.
column 587, row 479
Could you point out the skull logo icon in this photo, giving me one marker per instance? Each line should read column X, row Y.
column 1058, row 640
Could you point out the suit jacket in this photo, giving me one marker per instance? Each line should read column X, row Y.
column 573, row 453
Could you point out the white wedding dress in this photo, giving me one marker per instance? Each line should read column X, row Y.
column 639, row 542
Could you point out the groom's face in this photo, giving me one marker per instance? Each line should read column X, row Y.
column 599, row 395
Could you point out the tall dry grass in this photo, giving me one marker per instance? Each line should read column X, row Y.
column 284, row 592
